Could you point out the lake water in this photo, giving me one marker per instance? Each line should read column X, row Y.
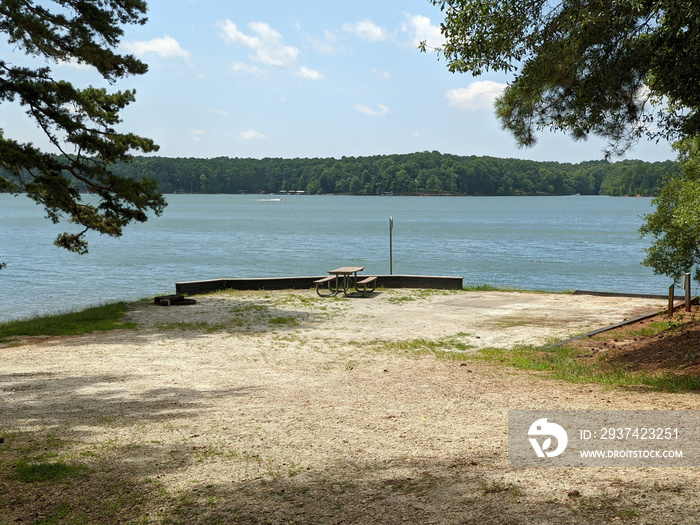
column 543, row 243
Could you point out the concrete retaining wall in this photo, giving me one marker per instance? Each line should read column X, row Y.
column 303, row 283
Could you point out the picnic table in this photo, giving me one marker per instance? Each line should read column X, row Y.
column 344, row 278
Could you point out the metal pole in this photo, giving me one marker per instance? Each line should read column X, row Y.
column 670, row 300
column 391, row 248
column 686, row 287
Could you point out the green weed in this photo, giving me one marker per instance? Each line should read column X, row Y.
column 452, row 347
column 492, row 288
column 56, row 517
column 565, row 363
column 414, row 294
column 498, row 487
column 284, row 320
column 98, row 318
column 653, row 328
column 30, row 472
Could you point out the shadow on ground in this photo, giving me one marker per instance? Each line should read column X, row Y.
column 84, row 472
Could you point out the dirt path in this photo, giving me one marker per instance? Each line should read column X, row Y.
column 282, row 407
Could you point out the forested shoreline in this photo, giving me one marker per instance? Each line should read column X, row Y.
column 405, row 174
column 431, row 173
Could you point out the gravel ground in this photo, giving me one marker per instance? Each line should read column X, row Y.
column 283, row 407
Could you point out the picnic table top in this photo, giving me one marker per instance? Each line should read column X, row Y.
column 346, row 270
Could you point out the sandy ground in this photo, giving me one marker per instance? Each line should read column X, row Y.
column 283, row 407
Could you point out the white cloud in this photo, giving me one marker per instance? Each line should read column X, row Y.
column 251, row 134
column 272, row 51
column 246, row 68
column 421, row 30
column 232, row 33
column 380, row 111
column 324, row 47
column 211, row 109
column 268, row 45
column 384, row 75
column 479, row 95
column 269, row 49
column 196, row 134
column 311, row 74
column 166, row 47
column 366, row 30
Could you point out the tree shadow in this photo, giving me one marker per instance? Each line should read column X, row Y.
column 186, row 475
column 53, row 399
column 125, row 484
column 233, row 315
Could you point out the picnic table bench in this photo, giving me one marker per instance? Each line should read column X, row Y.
column 343, row 279
column 327, row 281
column 365, row 285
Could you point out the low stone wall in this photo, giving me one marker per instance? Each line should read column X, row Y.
column 302, row 283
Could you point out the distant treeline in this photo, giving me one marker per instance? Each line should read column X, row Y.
column 408, row 174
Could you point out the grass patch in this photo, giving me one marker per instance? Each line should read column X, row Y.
column 95, row 319
column 498, row 487
column 202, row 326
column 42, row 484
column 284, row 320
column 565, row 363
column 56, row 517
column 245, row 317
column 46, row 471
column 249, row 309
column 488, row 288
column 605, row 508
column 296, row 300
column 491, row 288
column 652, row 329
column 451, row 348
column 415, row 294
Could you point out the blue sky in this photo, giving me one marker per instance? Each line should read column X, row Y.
column 276, row 78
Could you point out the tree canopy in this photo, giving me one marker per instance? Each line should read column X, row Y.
column 619, row 69
column 423, row 173
column 675, row 225
column 80, row 123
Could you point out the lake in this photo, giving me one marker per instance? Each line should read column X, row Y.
column 537, row 243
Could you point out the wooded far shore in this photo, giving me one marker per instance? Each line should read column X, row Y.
column 423, row 173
